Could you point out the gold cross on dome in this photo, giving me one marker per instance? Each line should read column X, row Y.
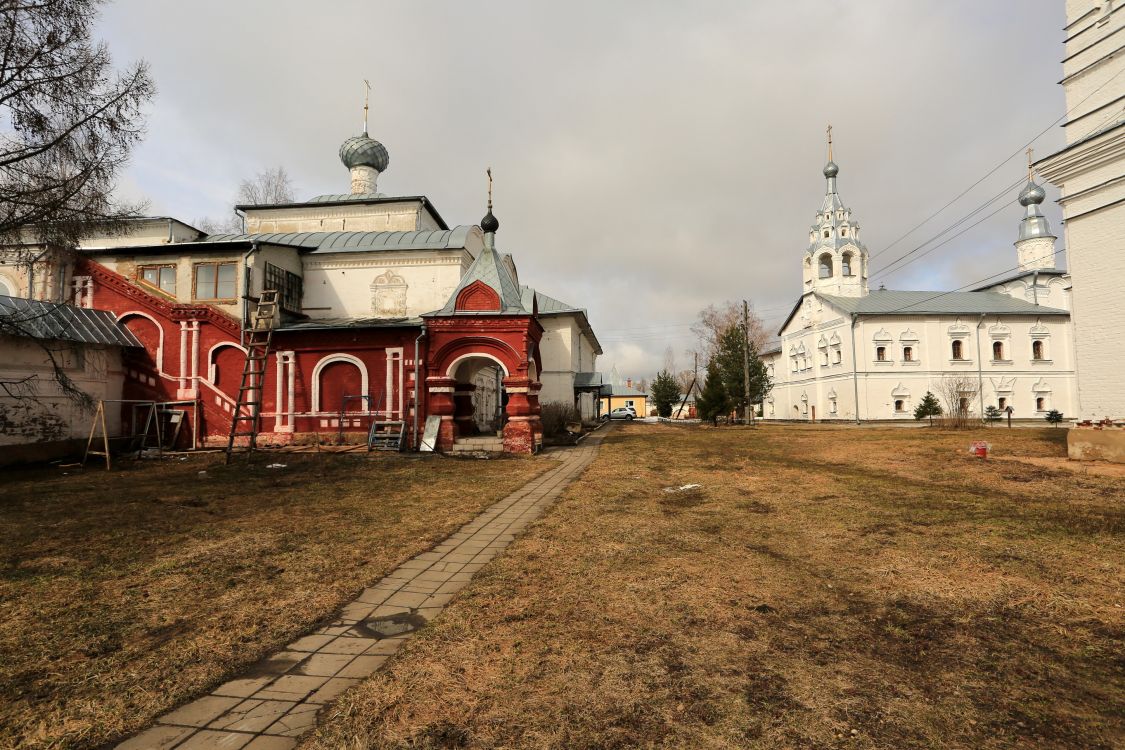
column 1029, row 169
column 829, row 143
column 366, row 92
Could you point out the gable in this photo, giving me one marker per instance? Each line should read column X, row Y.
column 477, row 297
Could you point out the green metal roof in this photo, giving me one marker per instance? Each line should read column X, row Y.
column 357, row 242
column 490, row 269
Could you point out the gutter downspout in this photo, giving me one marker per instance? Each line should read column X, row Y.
column 1035, row 288
column 417, row 384
column 31, row 273
column 246, row 291
column 855, row 369
column 980, row 372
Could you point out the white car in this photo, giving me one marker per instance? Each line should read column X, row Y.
column 622, row 412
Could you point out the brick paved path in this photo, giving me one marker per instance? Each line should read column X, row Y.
column 277, row 700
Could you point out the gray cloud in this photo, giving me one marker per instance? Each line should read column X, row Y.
column 651, row 158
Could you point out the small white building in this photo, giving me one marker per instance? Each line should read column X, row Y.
column 849, row 354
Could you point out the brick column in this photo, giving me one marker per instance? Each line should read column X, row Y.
column 441, row 404
column 523, row 419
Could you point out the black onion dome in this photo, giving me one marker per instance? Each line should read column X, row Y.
column 364, row 151
column 489, row 223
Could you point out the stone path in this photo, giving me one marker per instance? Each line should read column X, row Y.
column 277, row 700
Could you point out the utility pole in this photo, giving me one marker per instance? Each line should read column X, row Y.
column 746, row 357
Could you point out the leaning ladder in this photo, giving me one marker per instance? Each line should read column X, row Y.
column 259, row 337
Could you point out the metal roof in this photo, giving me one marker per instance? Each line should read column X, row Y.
column 550, row 306
column 1021, row 275
column 587, row 380
column 490, row 269
column 325, row 324
column 609, row 389
column 356, row 242
column 892, row 302
column 56, row 321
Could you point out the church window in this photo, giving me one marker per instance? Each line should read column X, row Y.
column 907, row 354
column 826, row 265
column 881, row 353
column 1002, row 403
column 161, row 277
column 900, row 405
column 823, row 357
column 843, row 231
column 826, row 234
column 997, row 350
column 832, row 406
column 963, row 405
column 846, row 264
column 958, row 349
column 288, row 286
column 837, row 356
column 1040, row 403
column 1037, row 350
column 214, row 281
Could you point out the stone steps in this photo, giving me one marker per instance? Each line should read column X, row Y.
column 479, row 444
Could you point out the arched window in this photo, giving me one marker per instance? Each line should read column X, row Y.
column 826, row 233
column 958, row 349
column 1040, row 403
column 846, row 264
column 1002, row 403
column 881, row 353
column 900, row 405
column 907, row 354
column 997, row 350
column 1037, row 350
column 4, row 290
column 826, row 266
column 823, row 357
column 963, row 405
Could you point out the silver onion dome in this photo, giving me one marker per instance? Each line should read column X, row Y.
column 830, row 169
column 1032, row 195
column 364, row 151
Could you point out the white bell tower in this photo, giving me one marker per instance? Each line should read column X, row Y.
column 836, row 261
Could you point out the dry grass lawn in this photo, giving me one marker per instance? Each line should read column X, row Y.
column 123, row 594
column 824, row 588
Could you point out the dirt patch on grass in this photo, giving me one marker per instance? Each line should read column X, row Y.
column 123, row 594
column 831, row 588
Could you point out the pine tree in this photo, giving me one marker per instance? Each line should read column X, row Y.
column 713, row 400
column 1054, row 416
column 665, row 392
column 929, row 407
column 729, row 357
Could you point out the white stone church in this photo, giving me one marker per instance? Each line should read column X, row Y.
column 847, row 353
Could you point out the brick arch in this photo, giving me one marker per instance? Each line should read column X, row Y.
column 478, row 297
column 462, row 348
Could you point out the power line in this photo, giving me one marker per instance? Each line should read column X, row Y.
column 993, row 171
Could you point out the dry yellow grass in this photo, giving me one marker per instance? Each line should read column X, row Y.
column 824, row 588
column 123, row 594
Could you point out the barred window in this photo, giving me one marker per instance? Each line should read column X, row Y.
column 288, row 286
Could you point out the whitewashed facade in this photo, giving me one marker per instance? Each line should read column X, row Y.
column 846, row 353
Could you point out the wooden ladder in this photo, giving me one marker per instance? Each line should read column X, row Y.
column 245, row 422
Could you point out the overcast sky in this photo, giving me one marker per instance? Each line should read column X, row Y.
column 650, row 158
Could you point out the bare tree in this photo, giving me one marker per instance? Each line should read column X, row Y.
column 28, row 324
column 68, row 121
column 268, row 187
column 714, row 321
column 958, row 393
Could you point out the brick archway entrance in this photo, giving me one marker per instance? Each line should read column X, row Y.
column 462, row 350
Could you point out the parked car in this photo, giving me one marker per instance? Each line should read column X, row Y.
column 622, row 412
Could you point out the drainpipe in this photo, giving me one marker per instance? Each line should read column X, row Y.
column 246, row 290
column 855, row 370
column 31, row 274
column 1035, row 287
column 417, row 385
column 980, row 371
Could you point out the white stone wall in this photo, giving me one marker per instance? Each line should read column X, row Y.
column 391, row 216
column 345, row 285
column 1018, row 378
column 1089, row 177
column 49, row 416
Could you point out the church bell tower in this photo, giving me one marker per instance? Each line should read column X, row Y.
column 836, row 261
